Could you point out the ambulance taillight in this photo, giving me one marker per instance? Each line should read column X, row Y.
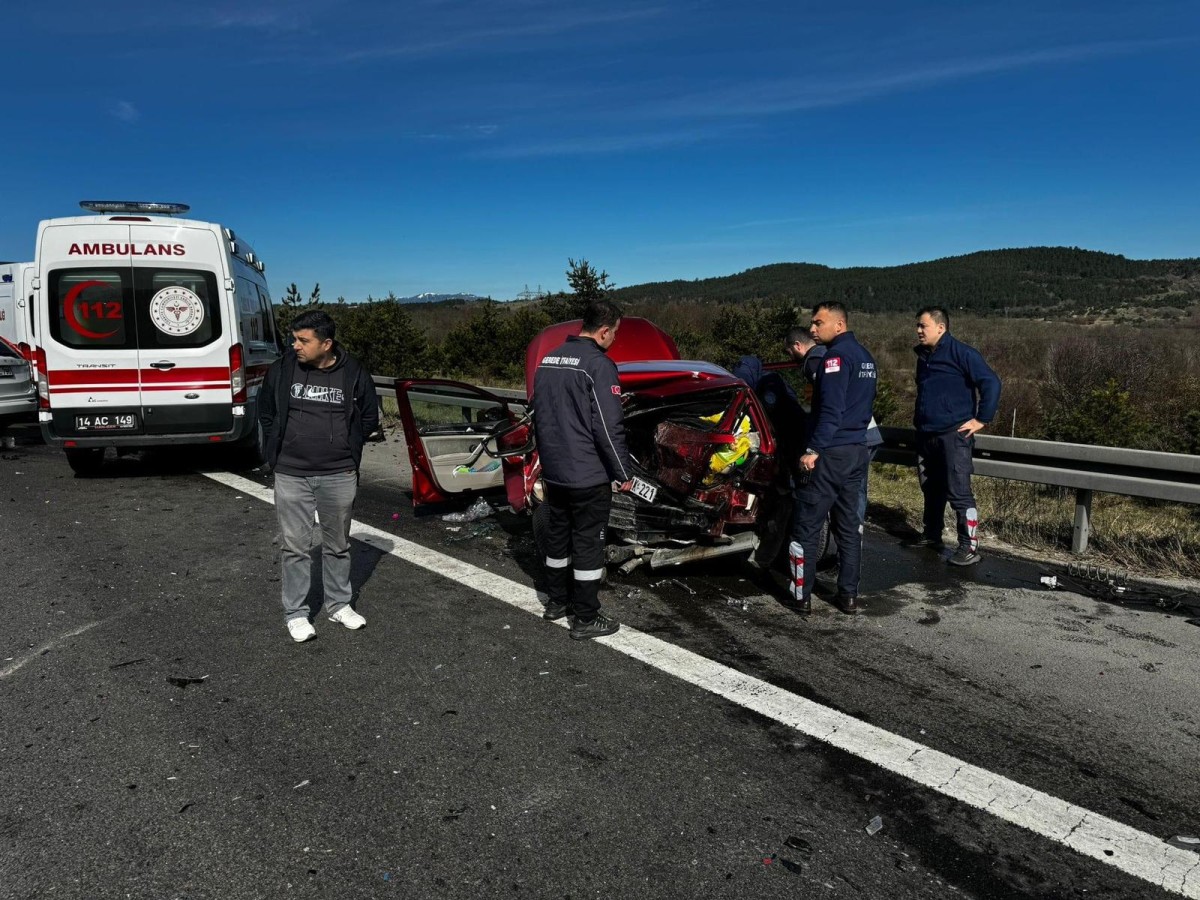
column 237, row 373
column 43, row 382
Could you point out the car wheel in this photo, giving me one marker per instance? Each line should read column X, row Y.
column 86, row 462
column 774, row 533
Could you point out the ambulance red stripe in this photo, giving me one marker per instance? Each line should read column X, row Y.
column 116, row 389
column 64, row 377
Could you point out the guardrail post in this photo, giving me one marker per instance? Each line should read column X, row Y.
column 1083, row 520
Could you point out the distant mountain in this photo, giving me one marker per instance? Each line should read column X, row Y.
column 1032, row 280
column 439, row 298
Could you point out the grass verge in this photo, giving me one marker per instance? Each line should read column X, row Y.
column 1147, row 537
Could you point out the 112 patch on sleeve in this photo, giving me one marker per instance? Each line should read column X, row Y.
column 833, row 365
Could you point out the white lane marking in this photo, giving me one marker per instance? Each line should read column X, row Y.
column 49, row 645
column 1113, row 843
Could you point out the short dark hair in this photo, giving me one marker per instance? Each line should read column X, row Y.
column 600, row 314
column 834, row 307
column 937, row 313
column 798, row 335
column 319, row 321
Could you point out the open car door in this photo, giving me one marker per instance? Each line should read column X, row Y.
column 462, row 439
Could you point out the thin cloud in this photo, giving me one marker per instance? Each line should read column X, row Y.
column 587, row 145
column 497, row 37
column 797, row 94
column 835, row 222
column 125, row 111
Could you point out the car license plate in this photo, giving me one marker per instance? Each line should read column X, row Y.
column 643, row 489
column 6, row 372
column 110, row 422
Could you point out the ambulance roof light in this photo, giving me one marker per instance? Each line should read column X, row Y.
column 134, row 206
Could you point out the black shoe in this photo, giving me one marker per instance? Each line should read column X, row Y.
column 926, row 542
column 555, row 611
column 964, row 556
column 599, row 627
column 846, row 603
column 804, row 607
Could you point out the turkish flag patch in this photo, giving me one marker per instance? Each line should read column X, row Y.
column 833, row 365
column 616, row 389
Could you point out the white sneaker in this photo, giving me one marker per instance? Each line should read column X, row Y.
column 301, row 629
column 348, row 617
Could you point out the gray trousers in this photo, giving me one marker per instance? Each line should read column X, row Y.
column 297, row 498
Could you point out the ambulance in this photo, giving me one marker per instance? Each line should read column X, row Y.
column 16, row 306
column 151, row 330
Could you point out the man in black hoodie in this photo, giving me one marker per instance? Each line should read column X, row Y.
column 317, row 405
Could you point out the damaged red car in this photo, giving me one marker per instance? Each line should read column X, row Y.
column 711, row 473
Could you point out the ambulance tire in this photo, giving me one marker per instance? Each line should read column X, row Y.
column 250, row 451
column 86, row 462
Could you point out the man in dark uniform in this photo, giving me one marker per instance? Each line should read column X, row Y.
column 957, row 395
column 836, row 454
column 581, row 444
column 805, row 351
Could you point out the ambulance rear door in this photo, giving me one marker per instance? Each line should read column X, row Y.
column 183, row 328
column 89, row 330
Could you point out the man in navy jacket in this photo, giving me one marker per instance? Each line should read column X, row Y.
column 581, row 444
column 957, row 395
column 836, row 455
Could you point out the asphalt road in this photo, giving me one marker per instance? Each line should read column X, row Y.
column 162, row 737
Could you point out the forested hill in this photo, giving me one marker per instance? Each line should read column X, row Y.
column 1027, row 281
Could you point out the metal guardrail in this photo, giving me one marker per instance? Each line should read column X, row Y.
column 1084, row 467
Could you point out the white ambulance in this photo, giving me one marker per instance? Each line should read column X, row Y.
column 16, row 307
column 150, row 330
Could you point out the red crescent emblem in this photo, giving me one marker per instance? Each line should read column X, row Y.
column 73, row 319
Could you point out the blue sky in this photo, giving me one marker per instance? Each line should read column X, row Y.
column 475, row 145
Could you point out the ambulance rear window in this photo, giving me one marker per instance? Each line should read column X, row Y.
column 176, row 308
column 125, row 308
column 90, row 308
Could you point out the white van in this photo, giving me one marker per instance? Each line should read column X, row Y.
column 150, row 331
column 16, row 307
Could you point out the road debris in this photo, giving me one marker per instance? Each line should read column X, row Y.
column 874, row 826
column 674, row 581
column 182, row 682
column 480, row 509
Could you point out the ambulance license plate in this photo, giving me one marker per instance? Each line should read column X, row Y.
column 643, row 489
column 120, row 422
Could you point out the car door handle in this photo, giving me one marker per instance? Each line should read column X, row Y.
column 162, row 365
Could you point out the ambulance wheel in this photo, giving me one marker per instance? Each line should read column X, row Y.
column 86, row 462
column 250, row 451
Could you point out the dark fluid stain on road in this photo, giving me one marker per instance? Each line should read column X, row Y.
column 954, row 843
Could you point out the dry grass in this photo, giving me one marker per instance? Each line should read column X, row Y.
column 1147, row 537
